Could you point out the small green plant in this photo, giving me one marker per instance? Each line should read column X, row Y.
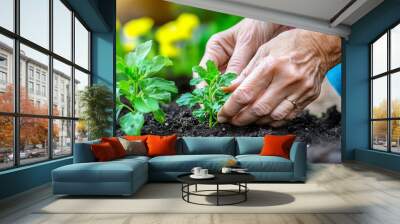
column 144, row 91
column 209, row 99
column 96, row 102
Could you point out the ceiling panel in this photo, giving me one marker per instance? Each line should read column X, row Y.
column 320, row 9
column 326, row 16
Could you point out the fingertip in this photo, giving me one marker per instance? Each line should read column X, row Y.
column 222, row 119
column 228, row 89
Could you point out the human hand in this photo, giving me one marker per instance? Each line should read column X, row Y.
column 283, row 77
column 232, row 49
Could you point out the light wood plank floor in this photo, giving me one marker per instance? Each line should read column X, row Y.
column 378, row 188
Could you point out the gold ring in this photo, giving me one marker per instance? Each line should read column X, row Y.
column 294, row 102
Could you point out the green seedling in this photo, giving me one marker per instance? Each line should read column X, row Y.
column 208, row 100
column 138, row 83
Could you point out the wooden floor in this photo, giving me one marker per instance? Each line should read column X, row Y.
column 377, row 188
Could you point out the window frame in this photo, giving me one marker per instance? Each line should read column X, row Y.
column 388, row 74
column 16, row 114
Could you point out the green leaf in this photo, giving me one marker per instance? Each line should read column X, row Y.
column 124, row 87
column 157, row 64
column 195, row 81
column 162, row 96
column 200, row 114
column 226, row 79
column 212, row 69
column 159, row 116
column 145, row 105
column 120, row 65
column 132, row 123
column 150, row 84
column 139, row 54
column 186, row 99
column 201, row 72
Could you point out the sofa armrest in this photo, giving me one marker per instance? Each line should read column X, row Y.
column 298, row 155
column 83, row 152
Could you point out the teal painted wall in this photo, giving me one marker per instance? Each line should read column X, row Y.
column 99, row 15
column 27, row 177
column 355, row 99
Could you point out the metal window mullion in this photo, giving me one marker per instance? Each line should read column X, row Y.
column 389, row 100
column 73, row 83
column 43, row 50
column 50, row 81
column 16, row 84
column 371, row 133
column 114, row 79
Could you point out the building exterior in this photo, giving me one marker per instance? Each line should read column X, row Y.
column 34, row 80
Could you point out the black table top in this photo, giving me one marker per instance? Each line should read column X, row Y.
column 220, row 178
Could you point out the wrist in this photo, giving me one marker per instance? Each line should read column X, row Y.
column 328, row 47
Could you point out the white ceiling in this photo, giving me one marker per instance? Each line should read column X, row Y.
column 320, row 9
column 327, row 16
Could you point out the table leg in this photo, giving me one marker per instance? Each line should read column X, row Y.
column 245, row 193
column 217, row 194
column 195, row 188
column 188, row 189
column 182, row 190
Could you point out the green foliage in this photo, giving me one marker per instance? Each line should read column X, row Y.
column 139, row 86
column 209, row 99
column 96, row 102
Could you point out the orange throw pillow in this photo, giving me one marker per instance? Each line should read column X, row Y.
column 142, row 138
column 116, row 145
column 277, row 145
column 103, row 152
column 161, row 145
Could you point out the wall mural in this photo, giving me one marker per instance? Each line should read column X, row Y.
column 195, row 72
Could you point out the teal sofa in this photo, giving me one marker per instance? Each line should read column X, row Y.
column 125, row 176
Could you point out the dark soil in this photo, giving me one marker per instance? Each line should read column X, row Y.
column 321, row 134
column 307, row 127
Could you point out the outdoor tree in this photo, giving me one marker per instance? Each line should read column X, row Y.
column 33, row 130
column 380, row 127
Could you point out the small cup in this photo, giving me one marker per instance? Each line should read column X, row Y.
column 203, row 172
column 196, row 171
column 226, row 170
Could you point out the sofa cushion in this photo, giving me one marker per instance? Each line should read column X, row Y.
column 112, row 171
column 257, row 163
column 116, row 145
column 161, row 145
column 132, row 159
column 137, row 147
column 185, row 163
column 83, row 152
column 207, row 145
column 249, row 145
column 103, row 152
column 277, row 145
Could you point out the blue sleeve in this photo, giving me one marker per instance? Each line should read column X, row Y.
column 334, row 77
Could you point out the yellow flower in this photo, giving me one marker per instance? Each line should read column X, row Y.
column 168, row 50
column 138, row 27
column 188, row 21
column 180, row 29
column 167, row 33
column 129, row 46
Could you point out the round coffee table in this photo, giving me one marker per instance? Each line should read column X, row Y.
column 238, row 179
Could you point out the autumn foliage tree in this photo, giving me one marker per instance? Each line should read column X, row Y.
column 380, row 127
column 33, row 131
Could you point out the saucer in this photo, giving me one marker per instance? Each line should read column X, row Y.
column 208, row 176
